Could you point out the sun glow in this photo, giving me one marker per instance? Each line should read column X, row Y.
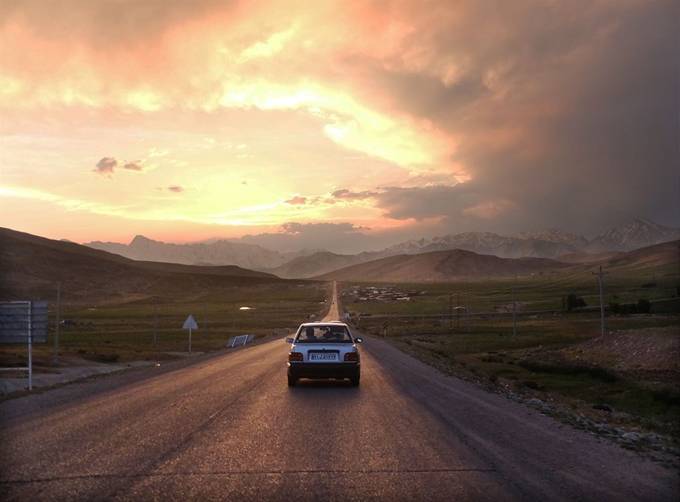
column 259, row 113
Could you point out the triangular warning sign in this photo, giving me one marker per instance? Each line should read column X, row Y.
column 190, row 323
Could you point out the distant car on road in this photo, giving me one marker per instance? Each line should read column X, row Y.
column 324, row 350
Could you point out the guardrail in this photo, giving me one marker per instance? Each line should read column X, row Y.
column 240, row 340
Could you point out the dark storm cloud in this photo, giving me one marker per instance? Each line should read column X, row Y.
column 564, row 113
column 421, row 203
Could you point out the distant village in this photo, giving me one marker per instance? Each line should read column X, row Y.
column 386, row 293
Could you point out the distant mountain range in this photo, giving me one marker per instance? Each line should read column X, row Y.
column 32, row 266
column 552, row 243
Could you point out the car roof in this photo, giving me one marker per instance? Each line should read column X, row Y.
column 326, row 323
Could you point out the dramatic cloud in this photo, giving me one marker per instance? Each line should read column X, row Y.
column 410, row 118
column 420, row 203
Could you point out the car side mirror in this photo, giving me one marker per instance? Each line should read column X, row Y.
column 357, row 340
column 289, row 340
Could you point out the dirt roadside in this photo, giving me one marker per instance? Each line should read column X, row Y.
column 648, row 358
column 70, row 370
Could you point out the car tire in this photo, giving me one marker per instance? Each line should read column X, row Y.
column 292, row 382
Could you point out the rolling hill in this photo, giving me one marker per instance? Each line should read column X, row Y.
column 321, row 262
column 444, row 266
column 32, row 266
column 441, row 266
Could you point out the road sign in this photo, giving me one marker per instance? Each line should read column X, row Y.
column 190, row 323
column 24, row 322
column 18, row 319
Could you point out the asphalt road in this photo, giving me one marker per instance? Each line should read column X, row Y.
column 228, row 428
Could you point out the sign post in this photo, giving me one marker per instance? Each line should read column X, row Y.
column 24, row 322
column 190, row 324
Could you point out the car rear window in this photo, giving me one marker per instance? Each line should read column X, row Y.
column 324, row 334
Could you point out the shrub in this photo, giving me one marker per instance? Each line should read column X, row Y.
column 644, row 306
column 595, row 372
column 574, row 302
column 667, row 396
column 602, row 374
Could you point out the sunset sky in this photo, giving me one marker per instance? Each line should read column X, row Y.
column 345, row 125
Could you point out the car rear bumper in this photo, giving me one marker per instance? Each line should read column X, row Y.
column 324, row 370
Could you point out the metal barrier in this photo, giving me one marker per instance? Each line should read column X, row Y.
column 240, row 340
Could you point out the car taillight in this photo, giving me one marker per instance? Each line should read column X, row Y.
column 295, row 356
column 352, row 356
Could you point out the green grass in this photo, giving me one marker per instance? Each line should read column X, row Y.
column 125, row 332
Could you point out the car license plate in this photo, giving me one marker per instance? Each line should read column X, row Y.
column 323, row 357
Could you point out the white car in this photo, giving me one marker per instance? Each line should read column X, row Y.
column 324, row 350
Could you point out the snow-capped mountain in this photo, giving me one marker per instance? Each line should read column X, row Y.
column 638, row 233
column 550, row 243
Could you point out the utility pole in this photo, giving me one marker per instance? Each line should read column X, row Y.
column 155, row 319
column 514, row 304
column 514, row 314
column 600, row 274
column 450, row 311
column 55, row 359
column 467, row 309
column 458, row 309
